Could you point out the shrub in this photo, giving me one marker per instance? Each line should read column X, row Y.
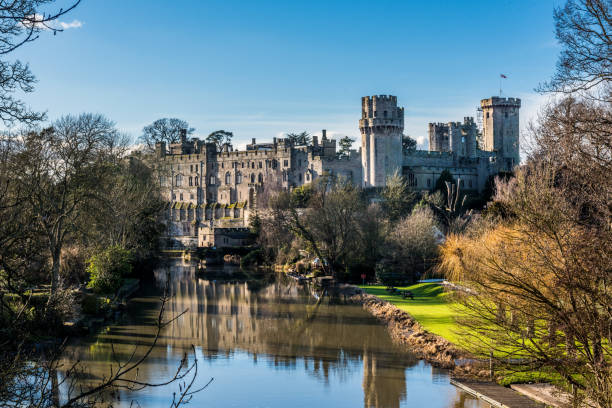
column 252, row 258
column 107, row 268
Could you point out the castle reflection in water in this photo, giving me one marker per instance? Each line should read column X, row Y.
column 278, row 322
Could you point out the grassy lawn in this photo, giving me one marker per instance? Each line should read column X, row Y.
column 430, row 307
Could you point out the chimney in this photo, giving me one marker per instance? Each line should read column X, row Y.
column 315, row 140
column 324, row 134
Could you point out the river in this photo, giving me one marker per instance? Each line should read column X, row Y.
column 266, row 344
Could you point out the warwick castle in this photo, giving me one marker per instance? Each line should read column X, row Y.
column 212, row 193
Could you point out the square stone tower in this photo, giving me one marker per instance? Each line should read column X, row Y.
column 500, row 127
column 381, row 126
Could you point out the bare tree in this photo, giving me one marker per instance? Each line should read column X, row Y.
column 59, row 169
column 21, row 22
column 584, row 30
column 167, row 130
column 34, row 381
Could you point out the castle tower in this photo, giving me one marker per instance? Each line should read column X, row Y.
column 500, row 127
column 381, row 126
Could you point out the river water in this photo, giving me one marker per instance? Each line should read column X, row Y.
column 266, row 344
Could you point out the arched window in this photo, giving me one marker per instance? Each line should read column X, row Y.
column 252, row 165
column 238, row 177
column 252, row 178
column 190, row 181
column 178, row 180
column 260, row 165
column 212, row 180
column 260, row 178
column 228, row 178
column 196, row 180
column 385, row 114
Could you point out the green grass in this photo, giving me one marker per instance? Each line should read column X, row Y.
column 431, row 307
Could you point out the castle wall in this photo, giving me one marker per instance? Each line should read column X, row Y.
column 208, row 190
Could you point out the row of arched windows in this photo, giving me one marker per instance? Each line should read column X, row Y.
column 193, row 181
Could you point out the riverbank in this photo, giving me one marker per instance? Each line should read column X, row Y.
column 405, row 329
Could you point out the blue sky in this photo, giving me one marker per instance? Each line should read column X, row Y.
column 261, row 68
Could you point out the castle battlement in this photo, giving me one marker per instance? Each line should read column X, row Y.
column 500, row 101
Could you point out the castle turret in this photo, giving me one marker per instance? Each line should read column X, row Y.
column 381, row 126
column 500, row 127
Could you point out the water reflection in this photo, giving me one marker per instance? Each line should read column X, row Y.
column 271, row 344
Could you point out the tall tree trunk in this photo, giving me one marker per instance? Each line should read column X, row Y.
column 55, row 268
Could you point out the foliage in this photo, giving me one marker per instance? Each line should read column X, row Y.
column 300, row 196
column 411, row 245
column 255, row 225
column 440, row 185
column 345, row 144
column 540, row 282
column 253, row 258
column 408, row 143
column 220, row 138
column 107, row 268
column 299, row 139
column 397, row 199
column 167, row 130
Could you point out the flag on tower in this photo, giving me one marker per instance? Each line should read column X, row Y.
column 503, row 76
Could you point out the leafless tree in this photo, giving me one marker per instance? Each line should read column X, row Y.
column 34, row 381
column 584, row 31
column 21, row 22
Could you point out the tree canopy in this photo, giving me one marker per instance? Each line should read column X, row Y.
column 167, row 130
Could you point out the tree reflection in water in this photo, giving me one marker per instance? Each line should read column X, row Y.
column 279, row 322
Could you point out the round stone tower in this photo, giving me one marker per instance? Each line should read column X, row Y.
column 381, row 126
column 500, row 127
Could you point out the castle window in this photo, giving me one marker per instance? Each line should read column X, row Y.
column 191, row 196
column 260, row 178
column 286, row 163
column 178, row 180
column 238, row 177
column 196, row 181
column 173, row 196
column 190, row 181
column 252, row 165
column 222, row 165
column 412, row 180
column 243, row 165
column 252, row 178
column 487, row 115
column 181, row 196
column 300, row 163
column 385, row 114
column 212, row 180
column 228, row 178
column 260, row 165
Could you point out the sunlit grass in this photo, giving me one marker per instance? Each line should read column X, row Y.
column 431, row 307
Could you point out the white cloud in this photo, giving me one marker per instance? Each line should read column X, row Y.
column 73, row 24
column 39, row 21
